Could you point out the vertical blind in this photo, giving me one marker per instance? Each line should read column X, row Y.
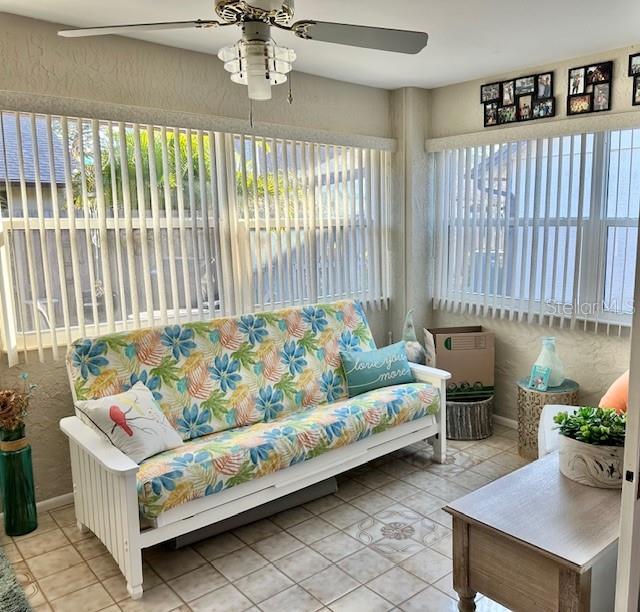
column 109, row 225
column 539, row 230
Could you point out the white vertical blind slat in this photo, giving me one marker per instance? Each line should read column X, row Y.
column 507, row 246
column 259, row 250
column 44, row 251
column 168, row 216
column 375, row 224
column 243, row 234
column 557, row 214
column 195, row 240
column 517, row 245
column 344, row 227
column 294, row 280
column 102, row 221
column 545, row 233
column 577, row 269
column 565, row 284
column 53, row 186
column 266, row 207
column 179, row 170
column 128, row 225
column 485, row 216
column 226, row 174
column 204, row 227
column 217, row 187
column 469, row 201
column 353, row 232
column 494, row 228
column 113, row 175
column 310, row 180
column 326, row 204
column 278, row 231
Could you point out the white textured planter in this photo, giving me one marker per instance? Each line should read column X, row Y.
column 590, row 464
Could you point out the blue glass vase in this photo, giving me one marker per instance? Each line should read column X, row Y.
column 16, row 483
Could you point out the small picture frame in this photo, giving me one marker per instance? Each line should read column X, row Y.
column 544, row 108
column 578, row 105
column 490, row 92
column 544, row 85
column 507, row 114
column 525, row 85
column 601, row 95
column 599, row 73
column 525, row 107
column 634, row 65
column 508, row 93
column 576, row 81
column 636, row 90
column 490, row 114
column 539, row 378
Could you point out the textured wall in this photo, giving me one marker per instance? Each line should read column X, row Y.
column 51, row 401
column 593, row 360
column 131, row 72
column 456, row 109
column 126, row 71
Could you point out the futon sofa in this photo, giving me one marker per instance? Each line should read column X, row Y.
column 261, row 403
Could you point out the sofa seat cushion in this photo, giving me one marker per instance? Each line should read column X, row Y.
column 212, row 463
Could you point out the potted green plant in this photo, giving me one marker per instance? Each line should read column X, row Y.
column 16, row 470
column 592, row 446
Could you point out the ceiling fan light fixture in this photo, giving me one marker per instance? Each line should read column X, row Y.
column 257, row 64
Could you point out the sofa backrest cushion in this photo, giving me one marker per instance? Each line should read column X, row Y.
column 209, row 376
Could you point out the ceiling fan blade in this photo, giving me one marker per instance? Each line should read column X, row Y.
column 137, row 27
column 398, row 41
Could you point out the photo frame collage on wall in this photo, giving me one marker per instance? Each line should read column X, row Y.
column 521, row 99
column 589, row 88
column 634, row 71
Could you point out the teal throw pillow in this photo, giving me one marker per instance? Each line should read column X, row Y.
column 370, row 370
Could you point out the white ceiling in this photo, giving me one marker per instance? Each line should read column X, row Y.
column 469, row 39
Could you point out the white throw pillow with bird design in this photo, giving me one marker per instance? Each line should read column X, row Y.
column 132, row 421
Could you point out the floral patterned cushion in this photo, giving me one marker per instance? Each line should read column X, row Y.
column 216, row 462
column 228, row 372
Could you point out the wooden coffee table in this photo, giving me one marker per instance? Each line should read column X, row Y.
column 536, row 541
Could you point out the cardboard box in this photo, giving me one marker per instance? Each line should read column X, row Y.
column 469, row 354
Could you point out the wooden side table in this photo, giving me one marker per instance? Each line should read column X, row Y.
column 530, row 405
column 535, row 541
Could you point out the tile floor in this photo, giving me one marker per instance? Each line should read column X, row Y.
column 382, row 542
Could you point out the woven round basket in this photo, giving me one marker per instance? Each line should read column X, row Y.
column 469, row 419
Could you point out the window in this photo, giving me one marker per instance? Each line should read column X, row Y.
column 539, row 229
column 109, row 225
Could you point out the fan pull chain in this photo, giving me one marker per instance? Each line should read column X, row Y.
column 290, row 96
column 251, row 112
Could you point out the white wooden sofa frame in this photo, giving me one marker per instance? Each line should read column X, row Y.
column 106, row 498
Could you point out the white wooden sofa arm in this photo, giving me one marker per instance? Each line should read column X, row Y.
column 438, row 378
column 106, row 498
column 111, row 458
column 425, row 373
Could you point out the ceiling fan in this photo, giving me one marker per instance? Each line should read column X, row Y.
column 256, row 60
